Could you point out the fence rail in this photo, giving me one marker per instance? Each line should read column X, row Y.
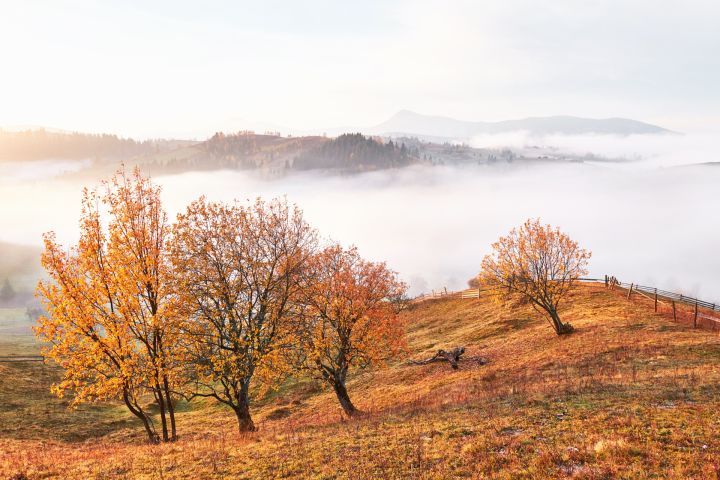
column 20, row 358
column 672, row 296
column 475, row 292
column 659, row 296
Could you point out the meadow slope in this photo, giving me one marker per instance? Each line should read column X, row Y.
column 629, row 395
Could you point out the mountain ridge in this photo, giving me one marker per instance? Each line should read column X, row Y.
column 408, row 122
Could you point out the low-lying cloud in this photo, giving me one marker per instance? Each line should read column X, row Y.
column 434, row 224
column 639, row 151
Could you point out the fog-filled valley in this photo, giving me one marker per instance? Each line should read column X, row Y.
column 642, row 204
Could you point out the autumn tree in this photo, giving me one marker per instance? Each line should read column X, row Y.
column 350, row 319
column 110, row 322
column 538, row 262
column 238, row 269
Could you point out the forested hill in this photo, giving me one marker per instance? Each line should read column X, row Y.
column 269, row 153
column 42, row 144
column 353, row 151
column 248, row 150
column 275, row 154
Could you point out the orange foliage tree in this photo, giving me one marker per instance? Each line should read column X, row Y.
column 111, row 324
column 238, row 270
column 538, row 262
column 349, row 316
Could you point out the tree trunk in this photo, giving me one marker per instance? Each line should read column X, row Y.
column 149, row 428
column 343, row 397
column 560, row 327
column 242, row 410
column 245, row 423
column 171, row 409
column 163, row 417
column 452, row 357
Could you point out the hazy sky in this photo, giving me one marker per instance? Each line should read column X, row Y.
column 151, row 68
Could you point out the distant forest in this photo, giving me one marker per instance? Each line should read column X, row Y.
column 350, row 152
column 354, row 151
column 247, row 150
column 270, row 153
column 42, row 144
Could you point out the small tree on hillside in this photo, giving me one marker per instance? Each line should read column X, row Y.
column 538, row 262
column 238, row 269
column 109, row 322
column 350, row 317
column 7, row 292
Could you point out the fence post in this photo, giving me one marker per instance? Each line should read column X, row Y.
column 674, row 315
column 656, row 300
column 606, row 281
column 630, row 290
column 696, row 312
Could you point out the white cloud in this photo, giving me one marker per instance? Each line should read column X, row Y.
column 642, row 151
column 434, row 224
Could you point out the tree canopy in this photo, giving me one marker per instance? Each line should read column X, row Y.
column 111, row 322
column 349, row 316
column 238, row 270
column 540, row 263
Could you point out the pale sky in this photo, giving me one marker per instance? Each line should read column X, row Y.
column 162, row 68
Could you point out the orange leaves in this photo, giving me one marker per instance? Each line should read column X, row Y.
column 238, row 269
column 537, row 261
column 350, row 311
column 228, row 295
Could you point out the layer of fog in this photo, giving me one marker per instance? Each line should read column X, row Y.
column 638, row 151
column 434, row 224
column 12, row 172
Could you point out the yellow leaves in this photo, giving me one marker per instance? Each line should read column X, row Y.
column 227, row 294
column 107, row 295
column 537, row 261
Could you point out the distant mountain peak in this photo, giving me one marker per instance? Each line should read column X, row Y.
column 413, row 123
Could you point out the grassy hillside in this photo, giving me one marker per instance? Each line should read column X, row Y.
column 629, row 395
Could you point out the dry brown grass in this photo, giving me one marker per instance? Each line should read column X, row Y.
column 629, row 395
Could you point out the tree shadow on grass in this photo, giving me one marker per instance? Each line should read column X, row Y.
column 502, row 327
column 29, row 411
column 505, row 326
column 516, row 323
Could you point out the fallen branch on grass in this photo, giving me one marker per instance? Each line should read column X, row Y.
column 451, row 356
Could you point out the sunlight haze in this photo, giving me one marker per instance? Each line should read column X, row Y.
column 188, row 69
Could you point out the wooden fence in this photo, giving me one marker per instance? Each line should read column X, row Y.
column 20, row 358
column 475, row 292
column 700, row 313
